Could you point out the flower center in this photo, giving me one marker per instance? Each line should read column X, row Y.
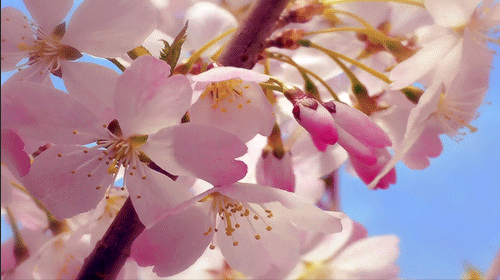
column 315, row 270
column 454, row 115
column 47, row 48
column 226, row 94
column 232, row 213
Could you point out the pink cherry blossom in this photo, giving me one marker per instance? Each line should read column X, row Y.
column 350, row 254
column 135, row 127
column 231, row 99
column 98, row 28
column 256, row 228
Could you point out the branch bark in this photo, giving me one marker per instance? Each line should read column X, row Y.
column 111, row 252
column 245, row 47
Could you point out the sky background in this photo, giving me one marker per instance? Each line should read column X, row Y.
column 446, row 216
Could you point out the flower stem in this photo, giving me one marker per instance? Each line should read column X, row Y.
column 245, row 47
column 111, row 252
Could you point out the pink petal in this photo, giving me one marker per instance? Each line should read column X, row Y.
column 146, row 99
column 13, row 153
column 360, row 126
column 35, row 73
column 368, row 172
column 451, row 13
column 13, row 34
column 369, row 254
column 7, row 188
column 276, row 172
column 355, row 148
column 110, row 28
column 427, row 146
column 318, row 122
column 225, row 73
column 63, row 192
column 154, row 196
column 173, row 243
column 178, row 150
column 48, row 14
column 92, row 85
column 47, row 114
column 278, row 246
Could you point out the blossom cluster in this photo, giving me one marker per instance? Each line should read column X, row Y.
column 231, row 170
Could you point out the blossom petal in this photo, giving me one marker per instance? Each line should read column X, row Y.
column 174, row 242
column 451, row 13
column 146, row 99
column 218, row 74
column 304, row 215
column 13, row 153
column 109, row 28
column 95, row 95
column 360, row 126
column 47, row 114
column 412, row 69
column 369, row 255
column 355, row 148
column 201, row 151
column 64, row 192
column 48, row 14
column 244, row 118
column 15, row 30
column 154, row 194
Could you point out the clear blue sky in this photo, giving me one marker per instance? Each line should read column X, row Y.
column 447, row 215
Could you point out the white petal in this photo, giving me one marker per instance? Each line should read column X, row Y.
column 110, row 28
column 451, row 13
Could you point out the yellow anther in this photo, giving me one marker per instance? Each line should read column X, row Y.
column 235, row 243
column 256, row 217
column 212, row 247
column 269, row 228
column 257, row 237
column 139, row 197
column 144, row 177
column 59, row 155
column 98, row 187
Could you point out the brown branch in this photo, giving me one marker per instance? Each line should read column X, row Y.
column 111, row 252
column 245, row 47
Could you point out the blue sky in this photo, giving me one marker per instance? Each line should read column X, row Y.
column 447, row 215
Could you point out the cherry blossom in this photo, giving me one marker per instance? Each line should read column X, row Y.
column 231, row 99
column 443, row 43
column 255, row 227
column 350, row 254
column 135, row 126
column 94, row 29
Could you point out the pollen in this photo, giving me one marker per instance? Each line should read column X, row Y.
column 226, row 92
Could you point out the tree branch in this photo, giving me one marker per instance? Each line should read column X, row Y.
column 111, row 252
column 248, row 42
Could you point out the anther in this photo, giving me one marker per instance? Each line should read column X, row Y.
column 134, row 167
column 59, row 155
column 89, row 175
column 269, row 228
column 73, row 171
column 139, row 197
column 235, row 243
column 99, row 159
column 131, row 173
column 106, row 197
column 270, row 215
column 122, row 188
column 256, row 217
column 257, row 237
column 268, row 211
column 85, row 151
column 240, row 106
column 248, row 101
column 144, row 177
column 105, row 126
column 212, row 246
column 74, row 131
column 98, row 187
column 237, row 225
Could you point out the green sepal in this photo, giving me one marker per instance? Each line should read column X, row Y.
column 171, row 53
